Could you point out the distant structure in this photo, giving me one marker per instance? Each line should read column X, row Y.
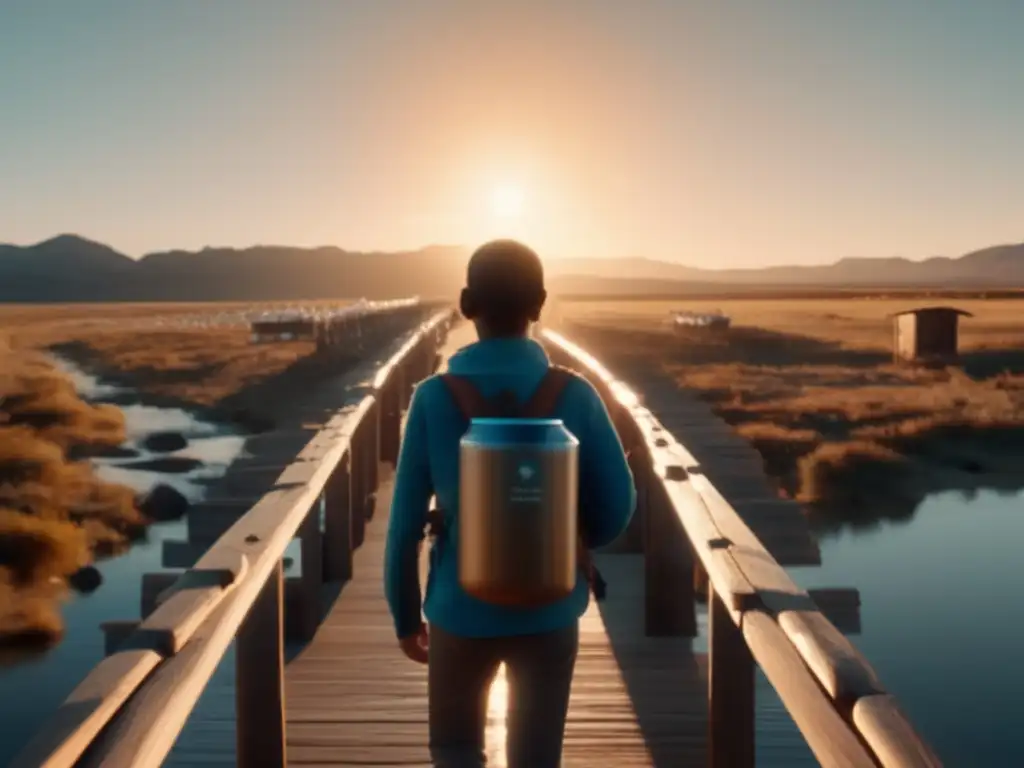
column 926, row 334
column 282, row 329
column 713, row 320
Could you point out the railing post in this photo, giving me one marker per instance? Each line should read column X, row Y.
column 632, row 540
column 259, row 684
column 410, row 374
column 311, row 548
column 391, row 417
column 669, row 606
column 730, row 690
column 375, row 416
column 338, row 523
column 357, row 508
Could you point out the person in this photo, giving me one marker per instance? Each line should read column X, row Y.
column 469, row 639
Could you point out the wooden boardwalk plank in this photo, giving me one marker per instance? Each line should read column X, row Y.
column 352, row 696
column 352, row 699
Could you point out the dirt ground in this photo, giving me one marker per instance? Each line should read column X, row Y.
column 812, row 384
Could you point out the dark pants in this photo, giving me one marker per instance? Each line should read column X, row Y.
column 539, row 670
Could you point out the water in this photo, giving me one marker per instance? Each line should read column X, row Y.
column 941, row 616
column 212, row 444
column 32, row 690
column 942, row 619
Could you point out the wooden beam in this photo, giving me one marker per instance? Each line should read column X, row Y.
column 337, row 539
column 730, row 690
column 115, row 633
column 130, row 709
column 259, row 679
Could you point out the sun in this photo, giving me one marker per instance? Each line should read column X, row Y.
column 507, row 201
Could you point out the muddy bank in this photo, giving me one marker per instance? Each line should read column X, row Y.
column 856, row 439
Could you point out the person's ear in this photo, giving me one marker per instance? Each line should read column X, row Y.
column 535, row 312
column 467, row 306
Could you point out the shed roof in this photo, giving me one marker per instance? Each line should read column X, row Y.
column 932, row 310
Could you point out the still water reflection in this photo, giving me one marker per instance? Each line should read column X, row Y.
column 943, row 619
column 31, row 690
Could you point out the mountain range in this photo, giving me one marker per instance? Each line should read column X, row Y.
column 70, row 268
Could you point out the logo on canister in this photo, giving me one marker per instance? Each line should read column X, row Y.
column 525, row 486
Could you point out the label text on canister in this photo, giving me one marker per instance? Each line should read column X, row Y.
column 527, row 490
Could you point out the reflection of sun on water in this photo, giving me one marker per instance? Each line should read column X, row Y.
column 497, row 714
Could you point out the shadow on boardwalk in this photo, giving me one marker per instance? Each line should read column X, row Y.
column 665, row 677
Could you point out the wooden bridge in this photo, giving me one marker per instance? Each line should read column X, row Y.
column 239, row 661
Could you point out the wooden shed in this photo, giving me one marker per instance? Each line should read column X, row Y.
column 926, row 334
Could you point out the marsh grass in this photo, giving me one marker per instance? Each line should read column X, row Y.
column 841, row 428
column 194, row 365
column 56, row 515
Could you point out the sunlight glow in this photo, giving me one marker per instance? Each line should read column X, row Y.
column 507, row 201
column 496, row 733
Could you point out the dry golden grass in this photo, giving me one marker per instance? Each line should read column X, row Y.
column 850, row 323
column 55, row 514
column 811, row 383
column 196, row 365
column 200, row 366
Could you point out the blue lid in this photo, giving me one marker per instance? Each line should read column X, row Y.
column 505, row 431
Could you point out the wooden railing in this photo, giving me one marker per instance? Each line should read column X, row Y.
column 131, row 708
column 756, row 612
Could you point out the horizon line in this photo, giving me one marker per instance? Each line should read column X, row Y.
column 455, row 246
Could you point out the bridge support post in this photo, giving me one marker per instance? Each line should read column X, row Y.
column 407, row 378
column 357, row 509
column 338, row 523
column 632, row 541
column 730, row 690
column 259, row 685
column 311, row 549
column 391, row 418
column 669, row 606
column 373, row 459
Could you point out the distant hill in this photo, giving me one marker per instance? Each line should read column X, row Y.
column 71, row 268
column 1001, row 265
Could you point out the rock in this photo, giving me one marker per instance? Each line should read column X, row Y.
column 251, row 422
column 82, row 452
column 122, row 398
column 86, row 579
column 165, row 442
column 164, row 503
column 170, row 465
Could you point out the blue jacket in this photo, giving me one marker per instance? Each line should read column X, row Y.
column 428, row 464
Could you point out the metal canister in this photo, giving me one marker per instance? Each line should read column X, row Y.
column 518, row 486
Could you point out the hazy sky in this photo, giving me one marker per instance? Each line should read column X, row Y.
column 742, row 132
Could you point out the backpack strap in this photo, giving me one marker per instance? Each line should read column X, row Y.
column 541, row 404
column 467, row 397
column 544, row 399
